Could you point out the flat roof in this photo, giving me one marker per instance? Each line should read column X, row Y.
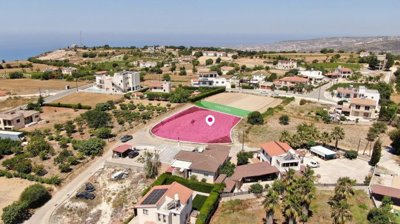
column 11, row 132
column 253, row 170
column 322, row 150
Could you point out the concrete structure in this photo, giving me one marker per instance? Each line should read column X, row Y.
column 204, row 164
column 209, row 79
column 214, row 54
column 314, row 77
column 68, row 70
column 146, row 64
column 160, row 87
column 17, row 119
column 361, row 92
column 286, row 64
column 167, row 204
column 359, row 108
column 280, row 155
column 119, row 83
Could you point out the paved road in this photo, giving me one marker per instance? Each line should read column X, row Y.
column 64, row 93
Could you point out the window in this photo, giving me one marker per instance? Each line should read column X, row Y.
column 145, row 211
column 164, row 218
column 18, row 120
column 366, row 114
column 358, row 107
column 366, row 107
column 159, row 217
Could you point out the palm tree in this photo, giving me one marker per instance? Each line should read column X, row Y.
column 271, row 205
column 285, row 137
column 306, row 192
column 325, row 138
column 290, row 208
column 341, row 212
column 337, row 134
column 344, row 187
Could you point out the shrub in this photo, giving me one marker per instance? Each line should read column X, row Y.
column 35, row 196
column 103, row 133
column 17, row 212
column 211, row 92
column 256, row 188
column 243, row 157
column 303, row 102
column 65, row 105
column 255, row 118
column 90, row 147
column 158, row 96
column 284, row 120
column 16, row 75
column 351, row 154
column 198, row 201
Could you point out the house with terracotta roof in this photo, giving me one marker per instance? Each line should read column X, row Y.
column 290, row 82
column 280, row 155
column 169, row 204
column 203, row 163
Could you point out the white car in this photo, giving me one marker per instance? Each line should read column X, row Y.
column 313, row 164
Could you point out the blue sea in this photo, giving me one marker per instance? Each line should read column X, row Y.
column 23, row 46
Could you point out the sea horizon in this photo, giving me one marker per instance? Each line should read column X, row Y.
column 21, row 47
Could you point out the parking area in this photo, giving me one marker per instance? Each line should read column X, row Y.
column 330, row 171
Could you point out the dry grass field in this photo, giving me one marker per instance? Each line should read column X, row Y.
column 32, row 86
column 272, row 129
column 237, row 211
column 245, row 101
column 12, row 102
column 10, row 190
column 90, row 99
column 15, row 65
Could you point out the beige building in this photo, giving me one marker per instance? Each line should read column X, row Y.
column 165, row 204
column 359, row 108
column 204, row 164
column 119, row 83
column 160, row 87
column 17, row 119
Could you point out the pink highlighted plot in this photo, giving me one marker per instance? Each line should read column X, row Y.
column 190, row 125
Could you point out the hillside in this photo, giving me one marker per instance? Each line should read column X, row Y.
column 375, row 44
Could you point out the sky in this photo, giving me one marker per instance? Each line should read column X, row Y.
column 51, row 23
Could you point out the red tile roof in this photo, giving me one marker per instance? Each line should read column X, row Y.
column 122, row 148
column 294, row 79
column 385, row 191
column 365, row 102
column 275, row 148
column 183, row 192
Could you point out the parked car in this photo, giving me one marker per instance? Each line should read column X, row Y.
column 313, row 164
column 89, row 187
column 126, row 138
column 85, row 195
column 133, row 154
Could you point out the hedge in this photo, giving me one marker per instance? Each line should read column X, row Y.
column 55, row 180
column 158, row 96
column 210, row 204
column 214, row 91
column 198, row 201
column 65, row 105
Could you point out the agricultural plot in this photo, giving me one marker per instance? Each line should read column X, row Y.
column 90, row 99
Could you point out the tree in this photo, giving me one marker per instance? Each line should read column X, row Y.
column 209, row 61
column 35, row 196
column 256, row 188
column 218, row 60
column 180, row 95
column 90, row 147
column 306, row 192
column 17, row 212
column 371, row 136
column 69, row 128
column 182, row 71
column 167, row 77
column 16, row 75
column 271, row 205
column 284, row 119
column 103, row 133
column 152, row 163
column 340, row 207
column 395, row 137
column 243, row 157
column 383, row 214
column 227, row 168
column 255, row 118
column 96, row 118
column 337, row 134
column 272, row 77
column 376, row 153
column 325, row 138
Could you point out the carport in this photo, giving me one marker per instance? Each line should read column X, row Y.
column 122, row 150
column 323, row 152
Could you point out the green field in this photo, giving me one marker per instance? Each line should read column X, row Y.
column 222, row 108
column 333, row 66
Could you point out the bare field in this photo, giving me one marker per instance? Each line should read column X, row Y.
column 15, row 65
column 239, row 211
column 10, row 190
column 54, row 115
column 90, row 99
column 245, row 101
column 12, row 102
column 32, row 86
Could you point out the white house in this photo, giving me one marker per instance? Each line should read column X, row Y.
column 313, row 76
column 257, row 79
column 214, row 54
column 280, row 155
column 160, row 87
column 286, row 64
column 119, row 83
column 209, row 79
column 68, row 70
column 167, row 204
column 147, row 64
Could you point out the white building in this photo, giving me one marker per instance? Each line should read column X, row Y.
column 214, row 54
column 313, row 76
column 160, row 87
column 68, row 70
column 119, row 83
column 279, row 154
column 147, row 64
column 166, row 204
column 257, row 79
column 361, row 92
column 209, row 79
column 286, row 64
